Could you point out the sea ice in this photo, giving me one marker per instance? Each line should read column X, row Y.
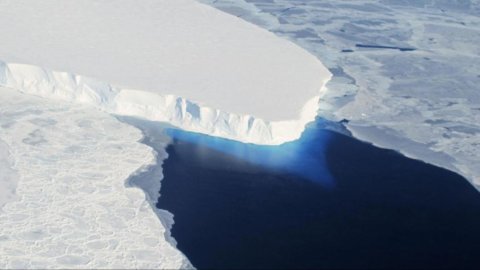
column 423, row 102
column 73, row 208
column 8, row 176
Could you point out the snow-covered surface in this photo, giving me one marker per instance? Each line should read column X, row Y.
column 178, row 47
column 73, row 207
column 8, row 177
column 424, row 103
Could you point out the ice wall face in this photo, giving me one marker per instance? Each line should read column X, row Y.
column 171, row 47
column 176, row 111
column 418, row 92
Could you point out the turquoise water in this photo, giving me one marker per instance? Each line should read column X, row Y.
column 297, row 158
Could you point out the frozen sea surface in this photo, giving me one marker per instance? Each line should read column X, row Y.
column 8, row 176
column 423, row 101
column 73, row 208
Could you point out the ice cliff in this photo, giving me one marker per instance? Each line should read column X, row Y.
column 177, row 111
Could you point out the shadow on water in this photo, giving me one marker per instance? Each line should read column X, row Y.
column 241, row 207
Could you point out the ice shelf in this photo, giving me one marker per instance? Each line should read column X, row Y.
column 233, row 79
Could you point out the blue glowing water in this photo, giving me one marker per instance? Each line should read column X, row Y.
column 303, row 158
column 325, row 201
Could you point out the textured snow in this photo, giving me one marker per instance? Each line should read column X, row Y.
column 177, row 47
column 73, row 208
column 8, row 177
column 424, row 103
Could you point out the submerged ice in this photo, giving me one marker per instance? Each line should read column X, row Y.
column 304, row 158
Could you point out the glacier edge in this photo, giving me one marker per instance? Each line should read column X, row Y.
column 177, row 111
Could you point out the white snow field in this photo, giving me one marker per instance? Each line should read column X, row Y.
column 197, row 67
column 73, row 208
column 424, row 103
column 8, row 177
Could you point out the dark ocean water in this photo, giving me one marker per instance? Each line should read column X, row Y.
column 324, row 201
